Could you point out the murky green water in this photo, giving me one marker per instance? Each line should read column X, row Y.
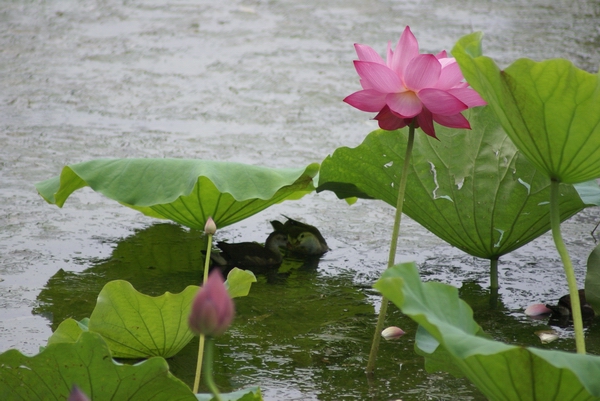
column 258, row 82
column 302, row 333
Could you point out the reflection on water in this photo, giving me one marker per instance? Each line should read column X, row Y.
column 162, row 257
column 300, row 330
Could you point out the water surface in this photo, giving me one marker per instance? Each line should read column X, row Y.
column 259, row 82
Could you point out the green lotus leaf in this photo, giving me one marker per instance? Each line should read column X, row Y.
column 500, row 371
column 239, row 281
column 183, row 190
column 592, row 280
column 135, row 325
column 68, row 331
column 436, row 357
column 88, row 364
column 247, row 394
column 549, row 109
column 472, row 188
column 589, row 192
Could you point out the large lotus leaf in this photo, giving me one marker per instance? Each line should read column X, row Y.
column 592, row 280
column 136, row 325
column 471, row 188
column 87, row 363
column 500, row 371
column 183, row 190
column 549, row 109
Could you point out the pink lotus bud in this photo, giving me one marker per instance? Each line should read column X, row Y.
column 212, row 308
column 537, row 309
column 210, row 227
column 77, row 395
column 392, row 333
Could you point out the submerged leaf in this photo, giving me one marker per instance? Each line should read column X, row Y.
column 500, row 371
column 472, row 188
column 184, row 190
column 88, row 364
column 549, row 109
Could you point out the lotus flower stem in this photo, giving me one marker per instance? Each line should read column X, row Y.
column 201, row 341
column 208, row 374
column 494, row 273
column 568, row 266
column 393, row 247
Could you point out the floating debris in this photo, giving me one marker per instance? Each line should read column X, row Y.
column 547, row 336
column 537, row 310
column 392, row 333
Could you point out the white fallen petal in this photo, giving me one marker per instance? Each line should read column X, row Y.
column 547, row 336
column 392, row 333
column 537, row 309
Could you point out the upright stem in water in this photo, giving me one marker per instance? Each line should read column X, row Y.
column 393, row 247
column 568, row 266
column 208, row 374
column 494, row 274
column 201, row 343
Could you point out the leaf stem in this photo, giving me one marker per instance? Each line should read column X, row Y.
column 208, row 373
column 393, row 247
column 494, row 274
column 201, row 342
column 568, row 266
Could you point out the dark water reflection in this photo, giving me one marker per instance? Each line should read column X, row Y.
column 162, row 257
column 301, row 333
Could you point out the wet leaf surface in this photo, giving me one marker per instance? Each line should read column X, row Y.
column 499, row 370
column 472, row 188
column 89, row 364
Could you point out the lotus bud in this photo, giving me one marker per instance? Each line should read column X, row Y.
column 210, row 227
column 392, row 333
column 212, row 308
column 77, row 395
column 537, row 310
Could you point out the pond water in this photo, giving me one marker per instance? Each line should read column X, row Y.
column 259, row 82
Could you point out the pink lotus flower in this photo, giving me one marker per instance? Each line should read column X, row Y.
column 212, row 308
column 412, row 87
